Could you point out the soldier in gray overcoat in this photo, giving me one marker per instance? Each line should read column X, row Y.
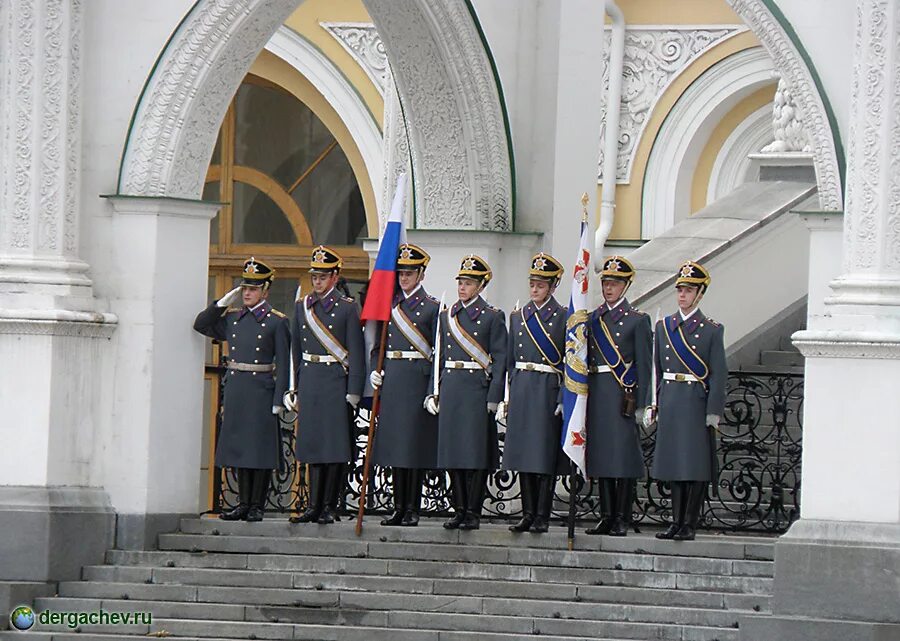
column 537, row 345
column 258, row 338
column 620, row 355
column 329, row 357
column 691, row 374
column 407, row 435
column 473, row 342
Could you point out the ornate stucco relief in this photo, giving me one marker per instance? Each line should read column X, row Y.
column 176, row 123
column 40, row 106
column 362, row 42
column 452, row 108
column 787, row 123
column 451, row 103
column 654, row 57
column 790, row 65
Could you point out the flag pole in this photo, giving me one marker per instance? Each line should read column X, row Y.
column 376, row 407
column 573, row 469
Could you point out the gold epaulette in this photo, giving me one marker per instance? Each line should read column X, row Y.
column 277, row 313
column 347, row 299
column 232, row 309
column 712, row 322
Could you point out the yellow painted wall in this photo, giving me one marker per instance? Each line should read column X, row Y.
column 305, row 21
column 739, row 113
column 275, row 70
column 629, row 197
column 678, row 12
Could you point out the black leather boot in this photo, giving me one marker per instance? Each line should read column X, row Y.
column 544, row 503
column 607, row 489
column 333, row 482
column 244, row 482
column 679, row 499
column 475, row 500
column 696, row 496
column 413, row 497
column 458, row 496
column 624, row 499
column 259, row 493
column 527, row 484
column 316, row 483
column 399, row 479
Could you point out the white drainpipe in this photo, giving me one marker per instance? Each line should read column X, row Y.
column 611, row 142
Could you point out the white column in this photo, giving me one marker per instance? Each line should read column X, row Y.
column 853, row 348
column 54, row 336
column 49, row 319
column 151, row 460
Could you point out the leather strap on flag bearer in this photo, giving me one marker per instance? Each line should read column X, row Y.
column 470, row 345
column 541, row 338
column 328, row 341
column 410, row 332
column 624, row 372
column 683, row 351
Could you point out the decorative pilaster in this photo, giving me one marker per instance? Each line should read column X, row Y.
column 40, row 123
column 838, row 567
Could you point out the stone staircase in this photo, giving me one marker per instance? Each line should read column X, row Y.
column 273, row 580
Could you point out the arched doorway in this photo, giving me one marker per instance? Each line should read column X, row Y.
column 287, row 186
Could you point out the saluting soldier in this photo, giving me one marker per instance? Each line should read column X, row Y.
column 329, row 357
column 620, row 355
column 407, row 434
column 537, row 345
column 258, row 338
column 472, row 381
column 691, row 376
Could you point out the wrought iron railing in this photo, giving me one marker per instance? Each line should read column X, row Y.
column 759, row 450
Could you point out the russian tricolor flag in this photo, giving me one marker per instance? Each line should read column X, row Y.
column 382, row 283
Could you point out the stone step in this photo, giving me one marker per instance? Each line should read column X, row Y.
column 229, row 604
column 311, row 546
column 497, row 615
column 722, row 546
column 293, row 571
column 327, row 590
column 100, row 582
column 443, row 561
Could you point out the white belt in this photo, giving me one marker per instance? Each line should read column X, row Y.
column 681, row 378
column 319, row 358
column 599, row 369
column 399, row 355
column 461, row 365
column 536, row 367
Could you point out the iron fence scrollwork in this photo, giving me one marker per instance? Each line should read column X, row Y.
column 759, row 450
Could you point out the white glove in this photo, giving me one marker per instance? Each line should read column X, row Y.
column 712, row 420
column 500, row 412
column 559, row 410
column 431, row 405
column 649, row 417
column 492, row 407
column 353, row 400
column 290, row 401
column 277, row 409
column 376, row 378
column 231, row 297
